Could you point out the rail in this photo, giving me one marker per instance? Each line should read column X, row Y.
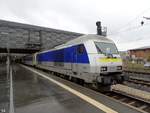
column 130, row 101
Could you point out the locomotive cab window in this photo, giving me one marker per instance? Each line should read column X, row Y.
column 102, row 47
column 80, row 49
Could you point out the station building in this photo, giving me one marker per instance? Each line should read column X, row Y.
column 140, row 53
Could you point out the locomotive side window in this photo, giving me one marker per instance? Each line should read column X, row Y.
column 80, row 49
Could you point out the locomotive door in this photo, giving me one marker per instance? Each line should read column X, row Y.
column 74, row 61
column 77, row 58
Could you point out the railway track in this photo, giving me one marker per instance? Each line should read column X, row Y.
column 145, row 77
column 127, row 99
column 139, row 81
column 137, row 72
column 140, row 105
column 142, row 79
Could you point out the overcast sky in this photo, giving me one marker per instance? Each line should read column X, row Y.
column 122, row 17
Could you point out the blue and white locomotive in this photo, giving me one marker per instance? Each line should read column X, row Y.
column 94, row 59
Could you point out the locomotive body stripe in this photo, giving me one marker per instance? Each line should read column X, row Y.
column 65, row 55
column 106, row 60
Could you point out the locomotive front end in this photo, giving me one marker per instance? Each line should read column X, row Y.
column 109, row 63
column 105, row 60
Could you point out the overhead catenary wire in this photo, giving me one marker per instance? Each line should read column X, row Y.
column 124, row 28
column 129, row 29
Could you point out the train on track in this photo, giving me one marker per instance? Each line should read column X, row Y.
column 90, row 59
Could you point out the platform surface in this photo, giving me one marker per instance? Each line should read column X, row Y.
column 36, row 94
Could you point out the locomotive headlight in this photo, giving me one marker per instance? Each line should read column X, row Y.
column 119, row 67
column 103, row 68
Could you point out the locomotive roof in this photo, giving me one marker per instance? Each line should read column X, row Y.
column 89, row 37
column 80, row 40
column 84, row 38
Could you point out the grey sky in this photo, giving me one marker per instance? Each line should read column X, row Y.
column 120, row 17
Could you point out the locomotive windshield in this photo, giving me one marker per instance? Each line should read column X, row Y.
column 103, row 47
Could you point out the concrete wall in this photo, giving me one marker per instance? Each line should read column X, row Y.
column 19, row 35
column 16, row 38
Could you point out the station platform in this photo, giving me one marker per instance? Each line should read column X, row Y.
column 139, row 94
column 38, row 92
